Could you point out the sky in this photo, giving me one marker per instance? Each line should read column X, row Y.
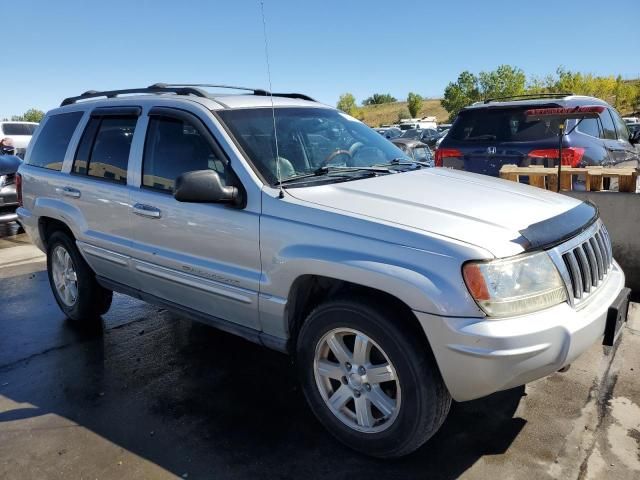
column 54, row 49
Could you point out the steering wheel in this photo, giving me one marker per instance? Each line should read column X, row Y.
column 333, row 155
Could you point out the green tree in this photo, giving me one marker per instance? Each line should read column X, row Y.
column 461, row 93
column 403, row 113
column 414, row 104
column 504, row 81
column 347, row 103
column 31, row 115
column 379, row 99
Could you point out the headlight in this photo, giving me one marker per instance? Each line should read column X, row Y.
column 515, row 286
column 2, row 180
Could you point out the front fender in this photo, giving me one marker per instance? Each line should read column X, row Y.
column 424, row 281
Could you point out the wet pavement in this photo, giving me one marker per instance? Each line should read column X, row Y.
column 151, row 395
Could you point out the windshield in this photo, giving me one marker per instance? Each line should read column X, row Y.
column 413, row 134
column 308, row 139
column 502, row 125
column 421, row 154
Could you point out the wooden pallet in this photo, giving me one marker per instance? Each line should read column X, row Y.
column 545, row 177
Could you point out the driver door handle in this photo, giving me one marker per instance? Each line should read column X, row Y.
column 69, row 192
column 146, row 210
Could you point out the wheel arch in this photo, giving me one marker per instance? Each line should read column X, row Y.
column 309, row 291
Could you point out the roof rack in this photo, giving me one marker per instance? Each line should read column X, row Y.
column 155, row 88
column 530, row 95
column 255, row 91
column 178, row 89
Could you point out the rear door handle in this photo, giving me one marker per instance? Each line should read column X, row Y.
column 146, row 210
column 69, row 192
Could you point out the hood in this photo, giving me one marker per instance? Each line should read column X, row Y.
column 503, row 217
column 9, row 164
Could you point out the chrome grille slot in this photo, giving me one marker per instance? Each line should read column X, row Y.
column 588, row 263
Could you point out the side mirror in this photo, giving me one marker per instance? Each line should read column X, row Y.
column 203, row 186
column 634, row 138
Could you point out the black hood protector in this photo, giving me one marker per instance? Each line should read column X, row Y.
column 556, row 230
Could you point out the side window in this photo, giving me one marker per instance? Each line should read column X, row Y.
column 103, row 151
column 173, row 147
column 621, row 127
column 589, row 126
column 52, row 143
column 607, row 125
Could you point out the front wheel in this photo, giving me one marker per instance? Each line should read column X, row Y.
column 369, row 378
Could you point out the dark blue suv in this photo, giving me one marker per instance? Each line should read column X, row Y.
column 487, row 135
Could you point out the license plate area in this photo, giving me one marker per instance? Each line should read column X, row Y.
column 616, row 316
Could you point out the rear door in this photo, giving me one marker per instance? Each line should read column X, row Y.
column 97, row 186
column 623, row 153
column 204, row 257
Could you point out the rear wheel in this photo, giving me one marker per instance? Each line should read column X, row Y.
column 72, row 281
column 369, row 380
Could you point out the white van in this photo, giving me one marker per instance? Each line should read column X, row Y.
column 420, row 123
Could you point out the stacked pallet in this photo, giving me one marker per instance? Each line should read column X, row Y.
column 545, row 177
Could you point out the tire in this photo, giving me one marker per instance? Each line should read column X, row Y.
column 419, row 403
column 90, row 299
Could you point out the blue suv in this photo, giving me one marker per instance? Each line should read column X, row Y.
column 487, row 135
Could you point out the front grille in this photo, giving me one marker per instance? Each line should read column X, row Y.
column 588, row 263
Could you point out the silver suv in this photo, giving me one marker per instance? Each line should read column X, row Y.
column 289, row 223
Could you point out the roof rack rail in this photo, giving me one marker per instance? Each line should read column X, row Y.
column 178, row 89
column 255, row 91
column 530, row 95
column 155, row 88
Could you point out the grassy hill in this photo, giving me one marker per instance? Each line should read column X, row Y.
column 376, row 115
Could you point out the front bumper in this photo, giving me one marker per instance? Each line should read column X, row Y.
column 8, row 204
column 478, row 356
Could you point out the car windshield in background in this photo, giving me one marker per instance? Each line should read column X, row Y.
column 500, row 125
column 309, row 139
column 18, row 128
column 414, row 134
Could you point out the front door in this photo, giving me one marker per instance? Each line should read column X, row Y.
column 204, row 257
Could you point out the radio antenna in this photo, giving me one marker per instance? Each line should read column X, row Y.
column 273, row 110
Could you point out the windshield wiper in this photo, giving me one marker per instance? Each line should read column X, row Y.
column 402, row 161
column 326, row 170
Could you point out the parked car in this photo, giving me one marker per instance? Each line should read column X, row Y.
column 429, row 135
column 396, row 288
column 8, row 198
column 415, row 149
column 389, row 132
column 631, row 119
column 20, row 133
column 488, row 135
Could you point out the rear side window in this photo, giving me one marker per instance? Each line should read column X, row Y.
column 589, row 126
column 608, row 128
column 173, row 147
column 502, row 125
column 52, row 143
column 621, row 127
column 103, row 151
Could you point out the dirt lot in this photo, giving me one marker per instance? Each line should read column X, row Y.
column 150, row 395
